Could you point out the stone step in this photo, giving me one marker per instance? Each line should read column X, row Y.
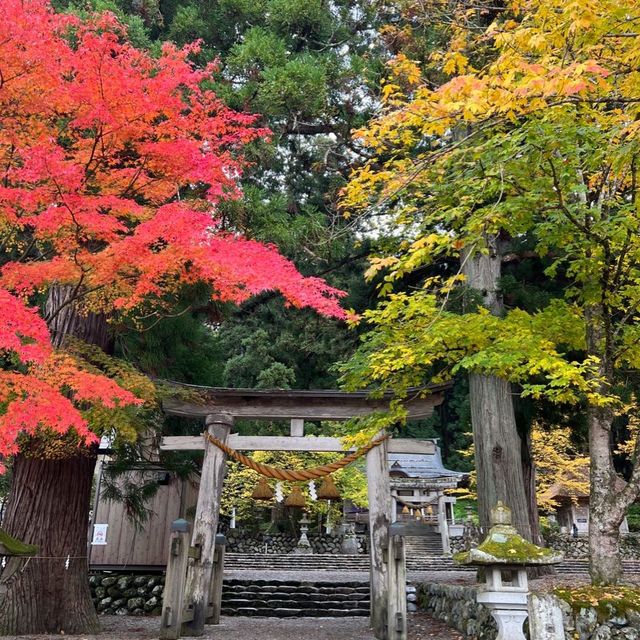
column 277, row 603
column 294, row 612
column 355, row 594
column 291, row 598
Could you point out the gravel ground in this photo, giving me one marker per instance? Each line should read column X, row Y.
column 421, row 627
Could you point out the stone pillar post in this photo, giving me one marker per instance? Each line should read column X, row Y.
column 443, row 525
column 379, row 520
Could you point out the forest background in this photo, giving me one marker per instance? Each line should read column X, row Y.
column 315, row 72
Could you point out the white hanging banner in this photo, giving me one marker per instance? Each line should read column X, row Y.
column 99, row 534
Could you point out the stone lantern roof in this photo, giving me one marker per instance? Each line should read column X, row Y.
column 505, row 546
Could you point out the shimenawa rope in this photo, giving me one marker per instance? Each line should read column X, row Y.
column 295, row 475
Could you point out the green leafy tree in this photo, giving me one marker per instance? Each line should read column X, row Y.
column 540, row 141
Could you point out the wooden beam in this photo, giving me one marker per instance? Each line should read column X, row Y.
column 173, row 597
column 277, row 404
column 397, row 606
column 321, row 410
column 291, row 443
column 215, row 597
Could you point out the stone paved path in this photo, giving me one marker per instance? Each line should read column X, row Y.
column 421, row 627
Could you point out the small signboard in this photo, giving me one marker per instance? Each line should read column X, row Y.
column 99, row 534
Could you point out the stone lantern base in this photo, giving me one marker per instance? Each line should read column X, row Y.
column 509, row 610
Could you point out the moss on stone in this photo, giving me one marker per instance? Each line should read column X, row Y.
column 606, row 601
column 504, row 545
column 14, row 547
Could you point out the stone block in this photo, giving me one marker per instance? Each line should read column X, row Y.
column 123, row 582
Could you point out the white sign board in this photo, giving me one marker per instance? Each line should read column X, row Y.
column 99, row 534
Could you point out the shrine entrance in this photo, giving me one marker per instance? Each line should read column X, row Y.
column 190, row 587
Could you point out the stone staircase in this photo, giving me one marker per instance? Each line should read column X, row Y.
column 430, row 545
column 293, row 598
column 288, row 562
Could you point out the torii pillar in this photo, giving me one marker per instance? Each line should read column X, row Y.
column 200, row 568
column 379, row 521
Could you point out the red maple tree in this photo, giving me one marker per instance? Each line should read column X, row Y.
column 113, row 163
column 112, row 166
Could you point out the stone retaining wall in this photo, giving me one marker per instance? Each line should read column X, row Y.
column 585, row 623
column 242, row 542
column 126, row 594
column 579, row 547
column 458, row 544
column 457, row 607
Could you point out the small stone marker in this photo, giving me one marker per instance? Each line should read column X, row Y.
column 545, row 618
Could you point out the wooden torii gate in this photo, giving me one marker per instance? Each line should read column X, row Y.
column 219, row 408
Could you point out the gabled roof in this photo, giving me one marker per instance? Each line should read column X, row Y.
column 575, row 485
column 414, row 465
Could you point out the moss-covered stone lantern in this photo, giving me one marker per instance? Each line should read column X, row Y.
column 505, row 555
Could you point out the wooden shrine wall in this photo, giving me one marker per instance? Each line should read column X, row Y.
column 128, row 546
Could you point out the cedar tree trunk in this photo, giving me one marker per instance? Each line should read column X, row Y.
column 498, row 446
column 49, row 506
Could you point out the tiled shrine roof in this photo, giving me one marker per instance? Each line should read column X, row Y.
column 412, row 465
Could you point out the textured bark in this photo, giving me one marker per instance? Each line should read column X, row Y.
column 49, row 506
column 606, row 506
column 605, row 512
column 497, row 452
column 498, row 446
column 64, row 320
column 529, row 475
